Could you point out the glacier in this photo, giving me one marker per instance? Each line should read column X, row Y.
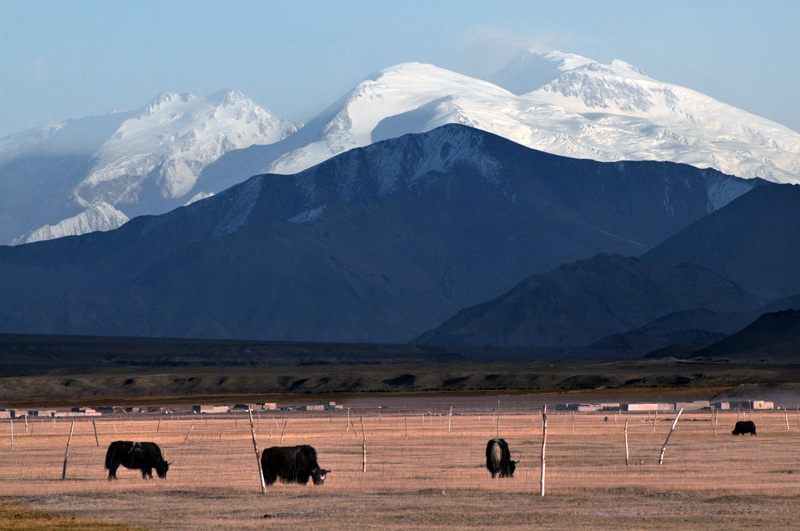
column 559, row 103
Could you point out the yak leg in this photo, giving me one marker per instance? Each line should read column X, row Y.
column 147, row 472
column 270, row 476
column 112, row 472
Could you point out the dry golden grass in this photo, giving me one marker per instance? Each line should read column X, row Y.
column 420, row 474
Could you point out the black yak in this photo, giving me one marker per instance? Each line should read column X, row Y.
column 144, row 456
column 292, row 464
column 744, row 426
column 498, row 458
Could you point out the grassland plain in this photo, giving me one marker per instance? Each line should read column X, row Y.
column 424, row 468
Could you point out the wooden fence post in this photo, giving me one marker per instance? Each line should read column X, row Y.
column 626, row 442
column 96, row 440
column 664, row 448
column 66, row 453
column 786, row 416
column 255, row 449
column 714, row 421
column 12, row 434
column 284, row 429
column 190, row 432
column 497, row 431
column 544, row 443
column 363, row 446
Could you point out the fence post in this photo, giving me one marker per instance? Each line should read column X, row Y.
column 714, row 421
column 497, row 431
column 96, row 440
column 544, row 443
column 363, row 446
column 190, row 432
column 255, row 449
column 66, row 453
column 664, row 448
column 626, row 442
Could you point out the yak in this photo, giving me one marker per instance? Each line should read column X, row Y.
column 744, row 426
column 292, row 464
column 144, row 456
column 498, row 458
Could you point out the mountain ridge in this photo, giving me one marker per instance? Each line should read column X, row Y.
column 377, row 244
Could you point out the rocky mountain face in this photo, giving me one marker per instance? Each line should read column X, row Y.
column 378, row 244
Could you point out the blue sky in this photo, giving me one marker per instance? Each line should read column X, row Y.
column 69, row 59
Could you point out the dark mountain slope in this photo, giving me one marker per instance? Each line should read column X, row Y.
column 585, row 301
column 375, row 245
column 753, row 241
column 771, row 336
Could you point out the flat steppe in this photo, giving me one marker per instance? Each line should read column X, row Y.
column 425, row 466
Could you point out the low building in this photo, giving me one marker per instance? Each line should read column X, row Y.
column 653, row 406
column 42, row 413
column 693, row 405
column 311, row 407
column 578, row 407
column 209, row 409
column 752, row 404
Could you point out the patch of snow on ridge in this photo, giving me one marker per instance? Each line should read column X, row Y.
column 98, row 217
column 308, row 215
column 198, row 197
column 722, row 191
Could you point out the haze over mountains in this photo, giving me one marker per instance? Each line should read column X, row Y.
column 100, row 171
column 97, row 172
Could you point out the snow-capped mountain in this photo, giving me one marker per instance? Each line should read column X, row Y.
column 136, row 162
column 563, row 104
column 180, row 148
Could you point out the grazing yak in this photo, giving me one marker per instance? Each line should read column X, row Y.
column 498, row 458
column 292, row 464
column 744, row 426
column 144, row 456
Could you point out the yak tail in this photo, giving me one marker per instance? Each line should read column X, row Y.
column 110, row 455
column 497, row 456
